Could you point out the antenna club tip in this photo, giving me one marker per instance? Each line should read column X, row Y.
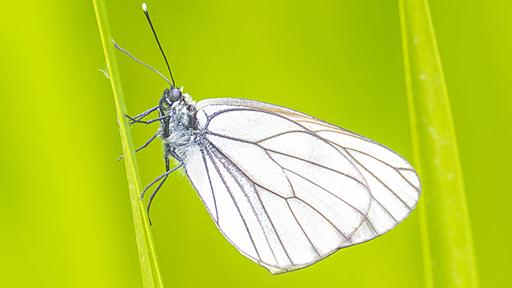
column 144, row 7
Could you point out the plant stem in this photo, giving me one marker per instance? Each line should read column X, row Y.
column 148, row 262
column 449, row 258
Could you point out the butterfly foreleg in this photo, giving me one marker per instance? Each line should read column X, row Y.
column 133, row 121
column 141, row 115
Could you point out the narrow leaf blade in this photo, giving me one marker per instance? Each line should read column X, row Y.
column 147, row 256
column 449, row 258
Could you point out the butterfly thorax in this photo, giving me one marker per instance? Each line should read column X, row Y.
column 178, row 127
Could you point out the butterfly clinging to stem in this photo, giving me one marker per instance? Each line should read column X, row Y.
column 286, row 189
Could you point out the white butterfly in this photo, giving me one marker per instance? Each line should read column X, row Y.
column 285, row 188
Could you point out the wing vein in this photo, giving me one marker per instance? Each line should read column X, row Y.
column 378, row 179
column 302, row 229
column 211, row 186
column 234, row 163
column 351, row 134
column 282, row 169
column 280, row 134
column 326, row 219
column 273, row 226
column 234, row 202
column 237, row 181
column 292, row 156
column 364, row 215
column 259, row 199
column 387, row 164
column 385, row 209
column 318, row 165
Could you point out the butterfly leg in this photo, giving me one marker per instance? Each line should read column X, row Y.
column 160, row 178
column 149, row 121
column 148, row 142
column 142, row 115
column 144, row 145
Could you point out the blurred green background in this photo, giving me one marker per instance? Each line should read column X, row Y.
column 66, row 218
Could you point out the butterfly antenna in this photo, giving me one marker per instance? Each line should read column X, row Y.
column 140, row 62
column 145, row 9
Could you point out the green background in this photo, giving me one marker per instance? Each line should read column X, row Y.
column 65, row 217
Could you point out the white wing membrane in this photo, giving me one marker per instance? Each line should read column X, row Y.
column 287, row 189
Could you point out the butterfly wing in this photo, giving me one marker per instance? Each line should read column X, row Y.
column 287, row 189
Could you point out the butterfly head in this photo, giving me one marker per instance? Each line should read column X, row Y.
column 172, row 95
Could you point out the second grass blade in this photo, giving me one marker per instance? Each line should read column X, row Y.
column 449, row 259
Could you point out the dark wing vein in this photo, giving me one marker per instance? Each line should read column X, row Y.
column 234, row 163
column 326, row 219
column 282, row 169
column 257, row 194
column 375, row 199
column 280, row 134
column 255, row 183
column 394, row 168
column 334, row 128
column 318, row 165
column 378, row 179
column 302, row 229
column 272, row 223
column 389, row 165
column 385, row 209
column 369, row 155
column 355, row 135
column 217, row 113
column 292, row 156
column 364, row 215
column 296, row 122
column 311, row 163
column 345, row 132
column 234, row 202
column 288, row 204
column 250, row 203
column 211, row 186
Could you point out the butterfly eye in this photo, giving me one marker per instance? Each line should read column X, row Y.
column 174, row 94
column 166, row 101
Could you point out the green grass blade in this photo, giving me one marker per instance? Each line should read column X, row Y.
column 449, row 258
column 147, row 256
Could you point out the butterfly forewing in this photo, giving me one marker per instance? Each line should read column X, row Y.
column 287, row 189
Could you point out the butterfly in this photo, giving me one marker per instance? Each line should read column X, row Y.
column 285, row 188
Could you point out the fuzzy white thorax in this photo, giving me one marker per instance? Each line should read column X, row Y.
column 181, row 130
